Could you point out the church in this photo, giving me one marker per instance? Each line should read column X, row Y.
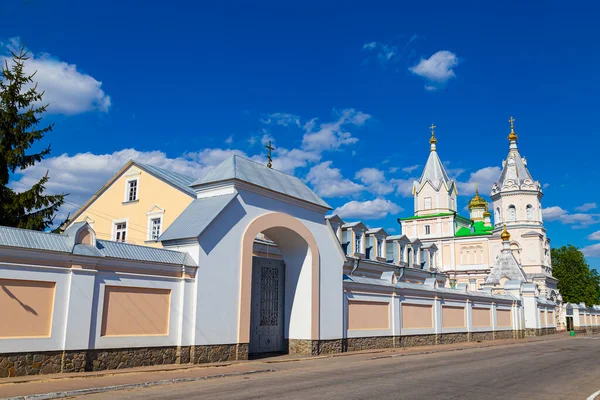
column 467, row 247
column 159, row 268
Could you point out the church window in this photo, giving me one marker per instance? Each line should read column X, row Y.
column 358, row 242
column 428, row 203
column 452, row 203
column 132, row 190
column 380, row 248
column 512, row 213
column 529, row 212
column 120, row 231
column 498, row 217
column 427, row 229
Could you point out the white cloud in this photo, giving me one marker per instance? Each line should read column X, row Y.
column 546, row 185
column 384, row 52
column 82, row 174
column 288, row 160
column 404, row 187
column 375, row 181
column 66, row 90
column 332, row 135
column 553, row 213
column 283, row 119
column 329, row 182
column 594, row 236
column 483, row 178
column 586, row 207
column 410, row 169
column 437, row 69
column 229, row 140
column 370, row 209
column 556, row 213
column 592, row 250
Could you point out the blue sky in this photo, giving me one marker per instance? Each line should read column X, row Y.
column 346, row 91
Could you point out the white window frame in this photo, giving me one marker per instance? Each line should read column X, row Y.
column 427, row 206
column 155, row 212
column 358, row 242
column 114, row 229
column 511, row 216
column 428, row 229
column 152, row 217
column 137, row 189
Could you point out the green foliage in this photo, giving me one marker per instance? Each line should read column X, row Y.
column 20, row 114
column 576, row 281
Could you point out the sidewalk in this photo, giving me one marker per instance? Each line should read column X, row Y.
column 61, row 385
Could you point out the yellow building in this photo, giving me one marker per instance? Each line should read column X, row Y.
column 137, row 204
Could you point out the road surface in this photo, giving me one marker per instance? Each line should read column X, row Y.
column 557, row 369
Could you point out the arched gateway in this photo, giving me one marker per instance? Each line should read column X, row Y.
column 246, row 300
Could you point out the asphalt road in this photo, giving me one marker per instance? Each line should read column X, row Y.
column 561, row 369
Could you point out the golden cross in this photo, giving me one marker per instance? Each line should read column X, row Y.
column 512, row 122
column 432, row 127
column 270, row 148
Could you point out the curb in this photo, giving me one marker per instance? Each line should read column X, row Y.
column 79, row 392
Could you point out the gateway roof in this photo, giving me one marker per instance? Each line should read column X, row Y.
column 243, row 169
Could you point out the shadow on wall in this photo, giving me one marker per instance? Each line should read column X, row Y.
column 224, row 222
column 12, row 296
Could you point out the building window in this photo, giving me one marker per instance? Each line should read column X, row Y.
column 428, row 203
column 380, row 248
column 132, row 190
column 120, row 231
column 155, row 225
column 452, row 203
column 427, row 229
column 529, row 212
column 512, row 213
column 358, row 242
column 498, row 217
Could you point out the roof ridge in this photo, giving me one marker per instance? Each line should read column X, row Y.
column 162, row 169
column 264, row 166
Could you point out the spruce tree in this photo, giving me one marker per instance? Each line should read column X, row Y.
column 20, row 115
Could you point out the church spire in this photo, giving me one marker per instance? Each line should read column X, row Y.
column 441, row 197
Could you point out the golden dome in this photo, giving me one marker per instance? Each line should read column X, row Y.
column 487, row 214
column 505, row 236
column 478, row 201
column 512, row 136
column 433, row 140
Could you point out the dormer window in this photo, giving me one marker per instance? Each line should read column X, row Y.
column 380, row 248
column 358, row 242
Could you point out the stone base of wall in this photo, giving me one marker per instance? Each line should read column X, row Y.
column 448, row 338
column 481, row 336
column 20, row 364
column 99, row 360
column 504, row 335
column 376, row 342
column 218, row 353
column 53, row 362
